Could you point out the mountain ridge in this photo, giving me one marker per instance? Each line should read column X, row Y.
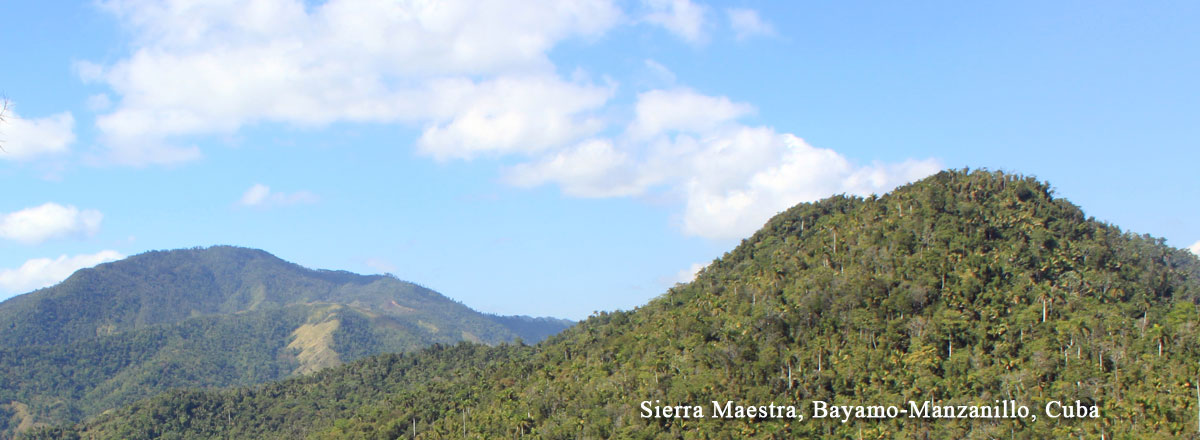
column 235, row 291
column 961, row 289
column 211, row 317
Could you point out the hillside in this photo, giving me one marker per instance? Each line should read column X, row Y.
column 966, row 288
column 211, row 317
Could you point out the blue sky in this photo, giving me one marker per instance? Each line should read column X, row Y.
column 558, row 158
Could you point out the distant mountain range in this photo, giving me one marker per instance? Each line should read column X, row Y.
column 212, row 317
column 964, row 290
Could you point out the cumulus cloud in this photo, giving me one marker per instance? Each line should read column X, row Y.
column 683, row 18
column 24, row 139
column 454, row 67
column 745, row 177
column 1195, row 248
column 660, row 111
column 688, row 275
column 45, row 272
column 50, row 220
column 591, row 169
column 509, row 115
column 731, row 176
column 261, row 196
column 746, row 23
column 475, row 77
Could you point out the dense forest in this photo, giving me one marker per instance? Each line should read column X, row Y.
column 965, row 288
column 213, row 317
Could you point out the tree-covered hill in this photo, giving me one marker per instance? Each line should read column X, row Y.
column 211, row 317
column 966, row 288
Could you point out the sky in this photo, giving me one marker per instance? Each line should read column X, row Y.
column 557, row 158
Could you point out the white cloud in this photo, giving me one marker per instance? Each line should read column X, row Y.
column 509, row 115
column 659, row 111
column 454, row 67
column 746, row 23
column 731, row 177
column 1195, row 248
column 256, row 195
column 49, row 220
column 591, row 169
column 688, row 275
column 24, row 139
column 262, row 196
column 475, row 77
column 683, row 18
column 44, row 272
column 743, row 178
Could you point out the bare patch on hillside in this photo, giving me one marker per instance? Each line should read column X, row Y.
column 429, row 327
column 23, row 416
column 315, row 344
column 470, row 337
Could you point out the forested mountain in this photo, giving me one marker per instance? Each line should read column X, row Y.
column 966, row 288
column 211, row 317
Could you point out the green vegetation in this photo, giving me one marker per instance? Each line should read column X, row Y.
column 964, row 288
column 205, row 318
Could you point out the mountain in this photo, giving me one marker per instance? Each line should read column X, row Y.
column 966, row 291
column 211, row 317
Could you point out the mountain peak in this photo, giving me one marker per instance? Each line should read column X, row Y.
column 967, row 287
column 212, row 317
column 169, row 286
